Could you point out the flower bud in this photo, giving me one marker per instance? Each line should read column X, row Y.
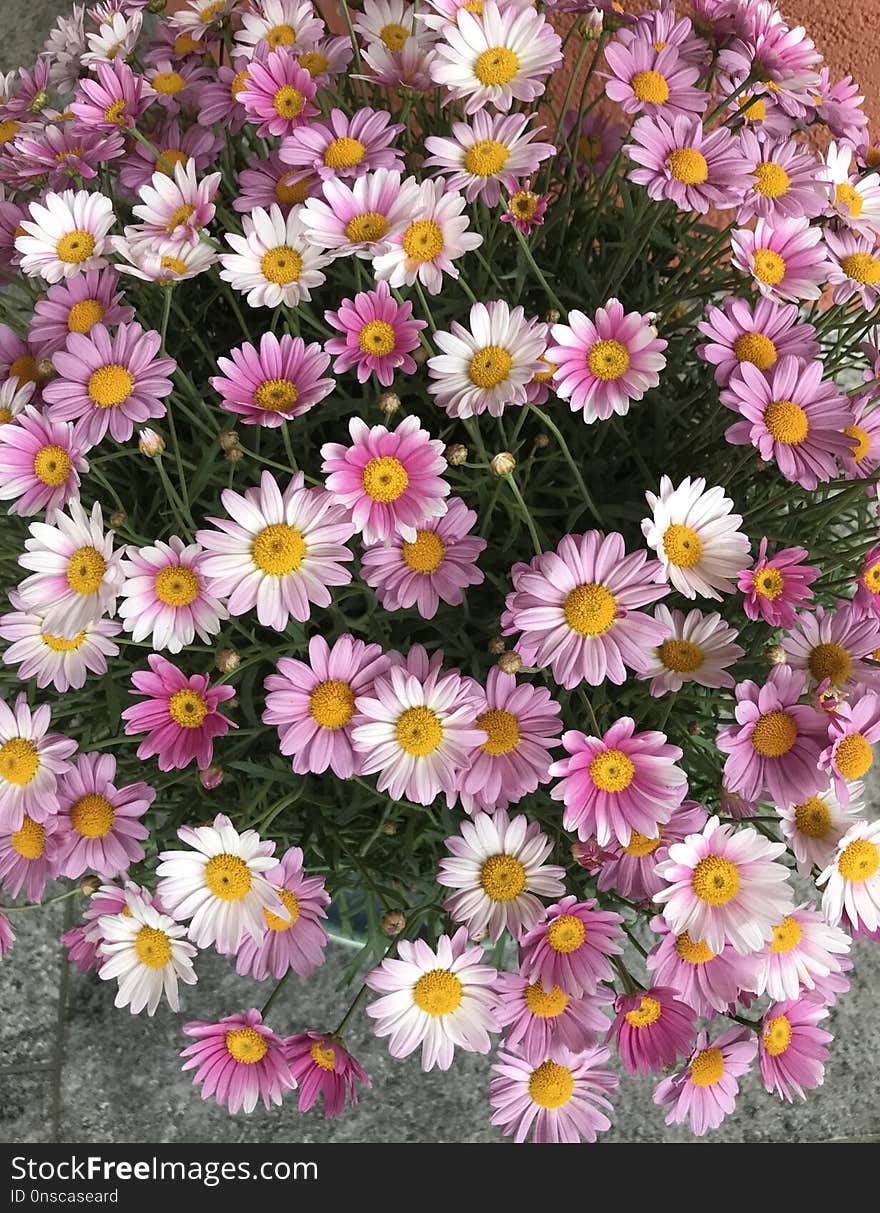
column 420, row 355
column 228, row 439
column 390, row 828
column 775, row 654
column 510, row 663
column 150, row 443
column 503, row 463
column 590, row 25
column 45, row 369
column 389, row 403
column 234, row 455
column 39, row 102
column 211, row 777
column 117, row 517
column 456, row 454
column 551, row 316
column 393, row 922
column 541, row 440
column 227, row 660
column 89, row 885
column 497, row 645
column 479, row 936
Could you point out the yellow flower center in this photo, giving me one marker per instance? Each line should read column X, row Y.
column 278, row 550
column 687, row 165
column 377, row 337
column 707, row 1068
column 75, row 247
column 52, row 465
column 344, row 153
column 590, row 609
column 854, row 756
column 486, row 158
column 861, row 267
column 153, row 947
column 281, row 265
column 547, row 375
column 682, row 545
column 774, row 734
column 331, row 703
column 871, row 578
column 693, row 953
column 5, row 415
column 551, row 1085
column 288, row 101
column 30, row 840
column 168, row 83
column 859, row 861
column 496, row 66
column 291, row 903
column 246, row 1045
column 58, row 644
column 543, row 1004
column 25, row 369
column 366, row 228
column 393, row 35
column 210, row 11
column 715, row 880
column 425, row 554
column 423, row 240
column 323, row 1057
column 115, row 112
column 110, row 385
column 589, row 147
column 756, row 348
column 786, row 935
column 276, row 395
column 502, row 877
column 503, row 729
column 830, row 661
column 384, row 478
column 608, row 359
column 645, row 1014
column 314, row 63
column 438, row 992
column 166, row 161
column 768, row 266
column 174, row 265
column 769, row 583
column 186, row 44
column 84, row 315
column 566, row 933
column 849, row 197
column 490, row 366
column 682, row 656
column 419, row 731
column 756, row 111
column 281, row 35
column 85, row 570
column 291, row 194
column 239, row 82
column 813, row 817
column 176, row 585
column 771, row 180
column 8, row 129
column 641, row 845
column 650, row 87
column 524, row 204
column 777, row 1035
column 187, row 708
column 612, row 771
column 861, row 441
column 228, row 877
column 92, row 816
column 180, row 215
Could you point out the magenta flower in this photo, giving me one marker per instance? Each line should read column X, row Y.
column 76, row 306
column 101, row 823
column 297, row 944
column 179, row 715
column 274, row 384
column 570, row 949
column 278, row 94
column 863, row 456
column 525, row 209
column 653, row 82
column 175, row 147
column 852, row 730
column 219, row 99
column 60, row 155
column 679, row 160
column 787, row 183
column 490, row 153
column 705, row 1090
column 854, row 267
column 596, row 142
column 176, row 207
column 631, row 869
column 837, row 645
column 539, row 1021
column 116, row 99
column 707, row 981
column 164, row 595
column 866, row 600
column 760, row 333
column 176, row 86
column 775, row 587
column 29, row 856
column 379, row 335
column 322, row 1066
column 238, row 1061
column 563, row 1099
column 804, row 950
column 31, row 762
column 785, row 258
column 343, row 146
column 358, row 216
column 40, row 463
column 793, row 1048
column 652, row 1029
column 269, row 182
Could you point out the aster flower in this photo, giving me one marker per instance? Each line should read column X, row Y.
column 145, row 950
column 343, row 146
column 60, row 154
column 631, row 869
column 176, row 86
column 294, row 942
column 435, row 237
column 837, row 645
column 102, row 830
column 357, row 217
column 14, row 397
column 313, row 704
column 278, row 23
column 278, row 94
column 54, row 660
column 175, row 147
column 854, row 267
column 740, row 332
column 165, row 261
column 699, row 648
column 28, row 856
column 793, row 1048
column 238, row 1061
column 267, row 183
column 177, row 207
column 605, row 362
column 409, row 68
column 598, row 140
column 785, row 258
column 663, row 25
column 273, row 262
column 76, row 305
column 326, row 59
column 863, row 456
column 840, row 107
column 803, row 950
column 645, row 80
column 652, row 1029
column 855, row 199
column 386, row 21
column 278, row 552
column 19, row 369
column 65, row 235
column 31, row 761
column 866, row 600
column 705, row 1090
column 681, row 161
column 322, row 1066
column 116, row 99
column 707, row 981
column 379, row 335
column 525, row 209
column 178, row 714
column 563, row 1099
column 852, row 729
column 274, row 384
column 813, row 828
column 164, row 595
column 40, row 463
column 117, row 34
column 775, row 586
column 493, row 151
column 787, row 181
column 852, row 879
column 197, row 17
column 774, row 51
column 219, row 100
column 539, row 1022
column 570, row 949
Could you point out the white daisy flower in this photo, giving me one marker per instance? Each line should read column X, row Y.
column 53, row 660
column 148, row 954
column 436, row 236
column 220, row 884
column 495, row 150
column 387, row 21
column 14, row 395
column 498, row 865
column 437, row 999
column 803, row 948
column 854, row 199
column 199, row 15
column 273, row 261
column 814, row 828
column 696, row 538
column 31, row 760
column 278, row 23
column 852, row 879
column 117, row 35
column 65, row 235
column 156, row 260
column 699, row 649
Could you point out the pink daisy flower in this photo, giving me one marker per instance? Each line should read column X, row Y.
column 493, row 151
column 29, row 856
column 83, row 940
column 437, row 566
column 59, row 155
column 7, row 935
column 645, row 80
column 840, row 107
column 539, row 1022
column 116, row 99
column 866, row 600
column 20, row 368
column 697, row 169
column 631, row 869
column 219, row 99
column 178, row 714
column 379, row 335
column 785, row 258
column 313, row 704
column 773, row 749
column 852, row 880
column 837, row 645
column 196, row 144
column 599, row 138
column 663, row 25
column 708, row 981
column 322, row 1066
column 298, row 943
column 618, row 783
column 854, row 267
column 409, row 68
column 238, row 1061
column 523, row 725
column 652, row 1029
column 793, row 1048
column 102, row 830
column 705, row 1090
column 269, row 182
column 804, row 949
column 357, row 217
column 327, row 59
column 699, row 649
column 787, row 182
column 760, row 333
column 388, row 480
column 40, row 463
column 863, row 456
column 76, row 306
column 604, row 363
column 792, row 416
column 343, row 146
column 164, row 595
column 570, row 949
column 31, row 762
column 109, row 382
column 852, row 730
column 177, row 207
column 278, row 94
column 176, row 86
column 436, row 236
column 525, row 209
column 576, row 609
column 724, row 885
column 774, row 587
column 279, row 552
column 563, row 1099
column 55, row 660
column 274, row 384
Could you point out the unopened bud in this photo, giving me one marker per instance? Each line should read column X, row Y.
column 393, row 922
column 551, row 316
column 235, row 455
column 541, row 440
column 389, row 403
column 456, row 454
column 497, row 645
column 227, row 660
column 211, row 777
column 45, row 369
column 390, row 828
column 117, row 517
column 232, row 703
column 39, row 102
column 420, row 355
column 590, row 25
column 510, row 663
column 479, row 936
column 89, row 885
column 695, row 728
column 503, row 463
column 150, row 443
column 775, row 654
column 228, row 439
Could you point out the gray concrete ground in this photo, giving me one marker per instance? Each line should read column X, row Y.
column 74, row 1069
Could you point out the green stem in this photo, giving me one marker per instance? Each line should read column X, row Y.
column 569, row 458
column 529, row 521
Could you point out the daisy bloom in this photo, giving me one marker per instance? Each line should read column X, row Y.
column 863, row 456
column 785, row 258
column 645, row 80
column 440, row 998
column 787, row 181
column 65, row 235
column 313, row 704
column 31, row 762
column 605, row 362
column 386, row 21
column 498, row 868
column 274, row 384
column 631, row 869
column 571, row 947
column 174, row 146
column 278, row 94
column 273, row 262
column 696, row 169
column 652, row 1029
column 20, row 369
column 154, row 259
column 854, row 267
column 724, row 885
column 837, row 645
column 773, row 748
column 525, row 209
column 379, row 335
column 177, row 207
column 437, row 566
column 416, row 733
column 804, row 948
column 426, row 248
column 496, row 58
column 176, row 86
column 28, row 857
column 488, row 366
column 813, row 828
column 293, row 943
column 40, row 463
column 492, row 151
column 238, row 1061
column 539, row 1022
column 595, row 142
column 562, row 1099
column 708, row 981
column 164, row 595
column 618, row 783
column 179, row 715
column 740, row 331
column 388, row 480
column 219, row 100
column 322, row 1066
column 705, row 1090
column 855, row 199
column 102, row 827
column 327, row 59
column 852, row 730
column 76, row 305
column 279, row 551
column 82, row 941
column 269, row 182
column 696, row 537
column 793, row 1048
column 699, row 649
column 357, row 216
column 57, row 155
column 115, row 100
column 775, row 586
column 54, row 660
column 14, row 398
column 343, row 146
column 409, row 68
column 77, row 575
column 523, row 726
column 866, row 600
column 148, row 954
column 274, row 23
column 852, row 879
column 220, row 884
column 117, row 33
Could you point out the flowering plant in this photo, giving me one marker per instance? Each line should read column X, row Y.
column 443, row 510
